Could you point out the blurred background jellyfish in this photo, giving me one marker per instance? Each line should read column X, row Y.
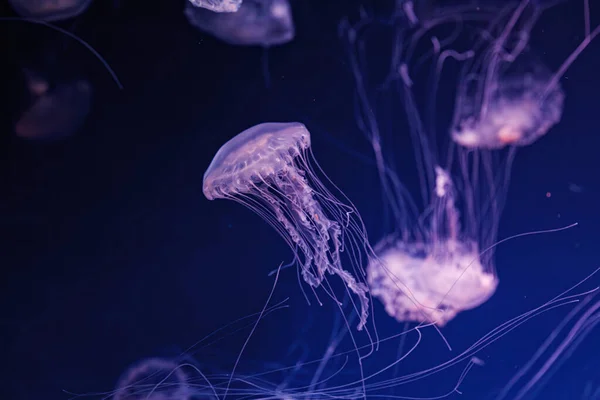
column 56, row 111
column 439, row 260
column 506, row 95
column 510, row 109
column 257, row 23
column 219, row 6
column 153, row 379
column 263, row 23
column 270, row 169
column 49, row 10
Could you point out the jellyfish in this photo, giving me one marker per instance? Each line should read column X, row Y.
column 257, row 23
column 438, row 259
column 153, row 379
column 219, row 6
column 55, row 112
column 507, row 97
column 270, row 169
column 515, row 110
column 49, row 10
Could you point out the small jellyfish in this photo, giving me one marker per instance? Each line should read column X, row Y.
column 49, row 10
column 509, row 107
column 431, row 273
column 56, row 112
column 257, row 23
column 218, row 6
column 506, row 95
column 153, row 379
column 270, row 169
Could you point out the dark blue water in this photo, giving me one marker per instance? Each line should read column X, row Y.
column 110, row 253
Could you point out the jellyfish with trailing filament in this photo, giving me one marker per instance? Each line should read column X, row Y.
column 257, row 23
column 55, row 112
column 49, row 10
column 512, row 109
column 439, row 259
column 219, row 6
column 270, row 169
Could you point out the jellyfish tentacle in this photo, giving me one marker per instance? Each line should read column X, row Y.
column 322, row 243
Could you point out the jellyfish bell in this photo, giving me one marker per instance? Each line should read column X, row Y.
column 433, row 275
column 418, row 283
column 219, row 6
column 257, row 23
column 506, row 108
column 55, row 113
column 253, row 155
column 49, row 10
column 269, row 168
column 507, row 96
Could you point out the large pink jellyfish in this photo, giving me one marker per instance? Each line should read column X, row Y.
column 270, row 169
column 440, row 260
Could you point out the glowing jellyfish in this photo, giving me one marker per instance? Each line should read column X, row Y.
column 49, row 10
column 219, row 6
column 514, row 110
column 439, row 259
column 55, row 112
column 433, row 271
column 506, row 95
column 153, row 379
column 270, row 169
column 257, row 23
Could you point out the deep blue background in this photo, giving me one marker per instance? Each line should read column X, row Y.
column 110, row 253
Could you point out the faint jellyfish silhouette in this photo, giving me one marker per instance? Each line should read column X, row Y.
column 517, row 110
column 49, row 10
column 219, row 6
column 506, row 97
column 257, row 23
column 72, row 36
column 270, row 169
column 55, row 112
column 263, row 23
column 35, row 83
column 153, row 379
